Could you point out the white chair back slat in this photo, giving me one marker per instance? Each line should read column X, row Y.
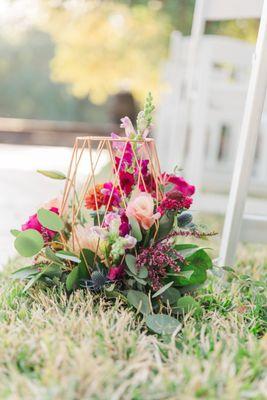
column 217, row 10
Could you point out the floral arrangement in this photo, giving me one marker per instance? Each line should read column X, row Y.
column 125, row 239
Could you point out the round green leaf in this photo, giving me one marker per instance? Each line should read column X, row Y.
column 131, row 263
column 50, row 220
column 29, row 242
column 162, row 324
column 15, row 232
column 139, row 300
column 172, row 295
column 143, row 273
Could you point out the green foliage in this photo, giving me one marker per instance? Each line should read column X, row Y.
column 163, row 324
column 135, row 229
column 139, row 301
column 131, row 263
column 149, row 109
column 50, row 220
column 162, row 290
column 68, row 255
column 52, row 174
column 171, row 295
column 188, row 304
column 28, row 243
column 194, row 272
column 165, row 225
column 25, row 272
column 140, row 275
column 73, row 279
column 15, row 232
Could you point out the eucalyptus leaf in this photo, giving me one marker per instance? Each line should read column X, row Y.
column 50, row 255
column 32, row 281
column 171, row 295
column 143, row 273
column 52, row 174
column 131, row 263
column 67, row 255
column 29, row 242
column 165, row 225
column 163, row 324
column 50, row 220
column 25, row 272
column 139, row 300
column 139, row 280
column 162, row 289
column 15, row 232
column 135, row 228
column 52, row 270
column 73, row 279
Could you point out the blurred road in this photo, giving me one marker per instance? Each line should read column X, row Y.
column 22, row 190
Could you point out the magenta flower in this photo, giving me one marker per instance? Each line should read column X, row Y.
column 179, row 183
column 125, row 227
column 33, row 223
column 111, row 194
column 127, row 181
column 116, row 273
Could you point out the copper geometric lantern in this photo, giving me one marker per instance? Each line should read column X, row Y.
column 84, row 186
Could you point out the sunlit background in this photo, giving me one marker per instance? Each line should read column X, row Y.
column 71, row 67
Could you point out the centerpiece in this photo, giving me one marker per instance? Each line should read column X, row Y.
column 119, row 237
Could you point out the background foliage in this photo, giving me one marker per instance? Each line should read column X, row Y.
column 79, row 53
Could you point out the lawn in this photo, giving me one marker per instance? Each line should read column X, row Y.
column 54, row 347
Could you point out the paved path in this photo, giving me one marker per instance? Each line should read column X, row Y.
column 22, row 190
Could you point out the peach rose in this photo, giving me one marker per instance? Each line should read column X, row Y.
column 87, row 237
column 141, row 207
column 54, row 203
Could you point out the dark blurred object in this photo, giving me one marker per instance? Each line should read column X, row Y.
column 120, row 105
column 49, row 133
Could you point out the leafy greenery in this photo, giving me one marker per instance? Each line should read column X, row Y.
column 49, row 342
column 50, row 220
column 28, row 243
column 162, row 324
column 52, row 174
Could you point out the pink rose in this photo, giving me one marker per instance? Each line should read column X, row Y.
column 141, row 207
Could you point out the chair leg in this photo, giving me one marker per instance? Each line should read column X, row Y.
column 247, row 145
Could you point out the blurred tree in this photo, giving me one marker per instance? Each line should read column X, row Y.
column 26, row 87
column 108, row 47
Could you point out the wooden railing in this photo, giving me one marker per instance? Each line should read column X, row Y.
column 49, row 133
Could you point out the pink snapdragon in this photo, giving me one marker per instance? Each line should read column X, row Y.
column 111, row 194
column 179, row 184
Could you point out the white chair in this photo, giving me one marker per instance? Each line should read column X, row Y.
column 223, row 66
column 207, row 10
column 251, row 226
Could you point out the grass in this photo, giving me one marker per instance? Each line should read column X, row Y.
column 52, row 347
